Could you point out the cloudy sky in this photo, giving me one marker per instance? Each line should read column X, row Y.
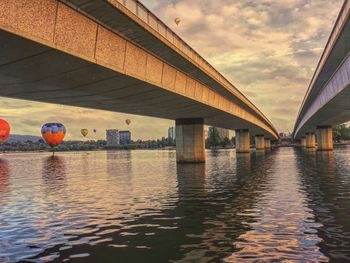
column 267, row 48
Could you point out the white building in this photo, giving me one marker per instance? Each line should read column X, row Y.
column 124, row 137
column 113, row 137
column 171, row 133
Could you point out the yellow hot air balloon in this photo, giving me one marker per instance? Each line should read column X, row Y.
column 177, row 21
column 128, row 121
column 84, row 132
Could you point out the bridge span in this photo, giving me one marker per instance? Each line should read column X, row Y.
column 118, row 56
column 327, row 100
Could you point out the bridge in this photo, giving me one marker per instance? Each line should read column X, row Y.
column 327, row 100
column 118, row 56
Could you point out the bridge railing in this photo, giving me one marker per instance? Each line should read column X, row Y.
column 339, row 24
column 150, row 19
column 142, row 12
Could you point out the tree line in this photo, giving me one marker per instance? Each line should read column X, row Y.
column 341, row 133
column 90, row 145
column 214, row 139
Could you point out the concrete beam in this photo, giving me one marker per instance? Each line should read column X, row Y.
column 324, row 138
column 190, row 146
column 326, row 101
column 56, row 29
column 242, row 141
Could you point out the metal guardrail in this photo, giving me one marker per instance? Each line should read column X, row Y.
column 142, row 12
column 339, row 24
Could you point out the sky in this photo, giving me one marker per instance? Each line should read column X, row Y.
column 268, row 49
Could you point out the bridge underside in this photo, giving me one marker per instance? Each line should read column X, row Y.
column 327, row 101
column 336, row 111
column 32, row 71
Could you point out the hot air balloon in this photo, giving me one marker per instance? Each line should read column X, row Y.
column 53, row 133
column 128, row 121
column 4, row 130
column 84, row 132
column 177, row 21
column 95, row 130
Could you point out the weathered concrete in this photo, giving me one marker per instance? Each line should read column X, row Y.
column 324, row 138
column 190, row 146
column 326, row 101
column 303, row 142
column 267, row 143
column 310, row 140
column 72, row 53
column 260, row 142
column 242, row 141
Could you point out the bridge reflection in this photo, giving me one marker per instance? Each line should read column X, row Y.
column 325, row 180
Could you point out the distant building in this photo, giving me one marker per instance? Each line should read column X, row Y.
column 116, row 137
column 171, row 133
column 223, row 133
column 124, row 137
column 113, row 137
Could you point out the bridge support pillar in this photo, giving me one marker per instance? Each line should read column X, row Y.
column 190, row 146
column 310, row 140
column 242, row 141
column 259, row 142
column 303, row 142
column 324, row 138
column 267, row 144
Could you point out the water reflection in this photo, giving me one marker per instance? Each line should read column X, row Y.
column 325, row 162
column 141, row 206
column 4, row 175
column 243, row 164
column 54, row 172
column 281, row 225
column 326, row 182
column 118, row 161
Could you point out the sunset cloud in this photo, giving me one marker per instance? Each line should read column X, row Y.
column 267, row 48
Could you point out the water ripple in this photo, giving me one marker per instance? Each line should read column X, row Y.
column 139, row 206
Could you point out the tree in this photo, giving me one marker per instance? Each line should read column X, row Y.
column 341, row 133
column 214, row 139
column 226, row 142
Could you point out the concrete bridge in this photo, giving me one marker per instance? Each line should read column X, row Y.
column 118, row 56
column 327, row 100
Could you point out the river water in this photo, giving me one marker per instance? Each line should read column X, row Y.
column 140, row 206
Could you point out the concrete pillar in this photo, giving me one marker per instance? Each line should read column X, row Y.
column 303, row 142
column 259, row 142
column 324, row 138
column 310, row 140
column 267, row 144
column 242, row 141
column 190, row 145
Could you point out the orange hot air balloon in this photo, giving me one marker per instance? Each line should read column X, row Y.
column 53, row 133
column 177, row 21
column 84, row 132
column 4, row 130
column 128, row 121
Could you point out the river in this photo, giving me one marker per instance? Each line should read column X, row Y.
column 140, row 206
